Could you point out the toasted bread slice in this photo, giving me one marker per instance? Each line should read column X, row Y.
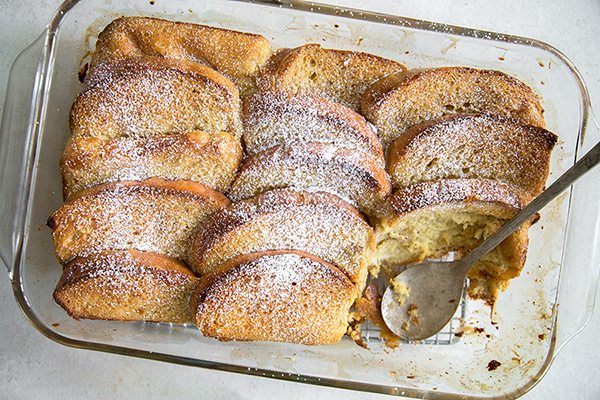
column 277, row 118
column 153, row 215
column 279, row 296
column 472, row 146
column 208, row 158
column 431, row 219
column 126, row 285
column 317, row 223
column 316, row 167
column 152, row 96
column 405, row 99
column 338, row 75
column 236, row 54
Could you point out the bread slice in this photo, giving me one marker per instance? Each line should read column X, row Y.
column 277, row 118
column 472, row 146
column 152, row 96
column 431, row 219
column 235, row 54
column 407, row 98
column 153, row 215
column 317, row 223
column 127, row 285
column 338, row 75
column 208, row 158
column 277, row 296
column 316, row 167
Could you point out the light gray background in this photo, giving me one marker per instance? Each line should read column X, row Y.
column 33, row 367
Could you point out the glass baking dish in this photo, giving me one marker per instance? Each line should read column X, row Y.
column 547, row 305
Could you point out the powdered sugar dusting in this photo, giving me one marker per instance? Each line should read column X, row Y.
column 308, row 299
column 473, row 146
column 317, row 223
column 275, row 118
column 124, row 216
column 151, row 96
column 115, row 263
column 323, row 167
column 126, row 285
column 210, row 159
column 416, row 96
column 461, row 191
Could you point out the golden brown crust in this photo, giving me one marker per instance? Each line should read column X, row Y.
column 152, row 215
column 338, row 75
column 404, row 99
column 472, row 146
column 284, row 296
column 350, row 174
column 278, row 118
column 209, row 159
column 317, row 223
column 153, row 96
column 126, row 285
column 236, row 54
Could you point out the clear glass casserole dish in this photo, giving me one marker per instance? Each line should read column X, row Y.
column 548, row 304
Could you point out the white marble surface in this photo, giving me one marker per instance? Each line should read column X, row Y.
column 33, row 367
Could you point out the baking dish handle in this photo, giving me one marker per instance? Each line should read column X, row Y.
column 16, row 133
column 579, row 278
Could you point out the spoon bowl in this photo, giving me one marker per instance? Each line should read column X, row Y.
column 422, row 299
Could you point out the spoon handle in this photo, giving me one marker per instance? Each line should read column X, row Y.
column 580, row 168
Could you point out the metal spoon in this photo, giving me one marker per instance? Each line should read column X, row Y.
column 434, row 289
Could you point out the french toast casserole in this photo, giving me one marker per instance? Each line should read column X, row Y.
column 253, row 192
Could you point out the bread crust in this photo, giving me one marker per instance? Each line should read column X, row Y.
column 284, row 296
column 317, row 223
column 398, row 101
column 458, row 191
column 127, row 285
